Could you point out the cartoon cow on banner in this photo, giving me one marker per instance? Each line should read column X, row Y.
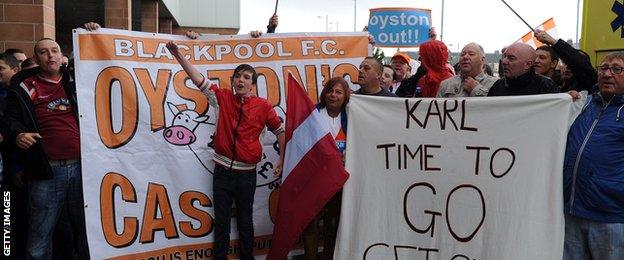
column 181, row 131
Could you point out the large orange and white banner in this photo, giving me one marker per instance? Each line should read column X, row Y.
column 147, row 195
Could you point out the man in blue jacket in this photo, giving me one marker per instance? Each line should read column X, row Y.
column 594, row 170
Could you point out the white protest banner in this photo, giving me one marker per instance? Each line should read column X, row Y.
column 148, row 196
column 477, row 178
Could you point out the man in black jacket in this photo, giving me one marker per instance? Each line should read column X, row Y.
column 42, row 120
column 408, row 88
column 519, row 77
column 584, row 76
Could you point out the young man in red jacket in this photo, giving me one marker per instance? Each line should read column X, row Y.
column 242, row 117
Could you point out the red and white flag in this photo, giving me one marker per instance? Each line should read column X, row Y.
column 548, row 26
column 313, row 170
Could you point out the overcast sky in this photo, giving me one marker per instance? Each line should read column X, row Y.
column 488, row 22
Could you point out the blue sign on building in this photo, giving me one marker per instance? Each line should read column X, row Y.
column 399, row 27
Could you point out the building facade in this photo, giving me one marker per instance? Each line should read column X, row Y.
column 23, row 22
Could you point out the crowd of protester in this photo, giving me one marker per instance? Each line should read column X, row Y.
column 41, row 151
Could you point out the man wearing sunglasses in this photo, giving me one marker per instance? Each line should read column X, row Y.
column 593, row 179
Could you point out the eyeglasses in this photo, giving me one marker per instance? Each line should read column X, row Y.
column 614, row 70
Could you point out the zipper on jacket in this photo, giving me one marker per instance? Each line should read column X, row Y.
column 32, row 119
column 580, row 154
column 240, row 117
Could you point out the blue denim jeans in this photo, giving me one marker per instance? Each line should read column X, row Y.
column 587, row 239
column 57, row 201
column 237, row 187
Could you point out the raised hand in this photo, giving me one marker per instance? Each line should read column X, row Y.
column 273, row 22
column 255, row 34
column 432, row 33
column 92, row 26
column 544, row 37
column 192, row 34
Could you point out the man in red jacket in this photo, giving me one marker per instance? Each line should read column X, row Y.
column 242, row 117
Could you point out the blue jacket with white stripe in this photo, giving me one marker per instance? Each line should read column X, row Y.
column 593, row 173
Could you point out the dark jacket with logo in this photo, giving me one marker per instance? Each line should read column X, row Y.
column 20, row 118
column 408, row 86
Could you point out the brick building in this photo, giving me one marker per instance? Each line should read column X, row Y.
column 23, row 22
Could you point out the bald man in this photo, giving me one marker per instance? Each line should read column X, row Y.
column 471, row 81
column 519, row 77
column 42, row 121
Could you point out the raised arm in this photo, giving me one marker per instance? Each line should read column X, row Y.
column 272, row 24
column 193, row 73
column 578, row 63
